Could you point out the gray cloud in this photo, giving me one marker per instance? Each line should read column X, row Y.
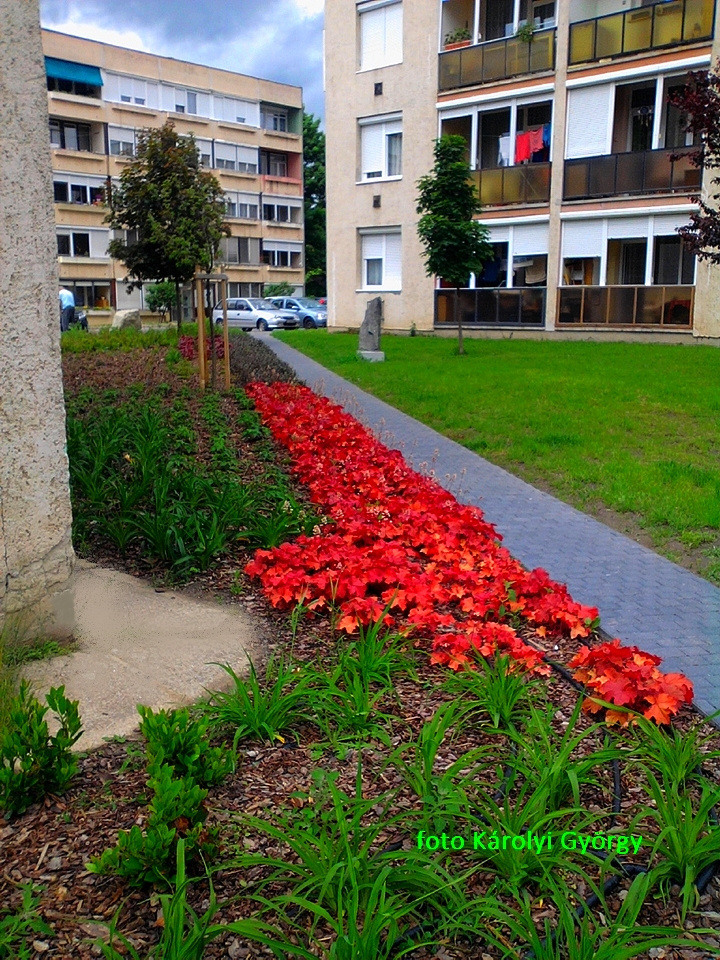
column 269, row 39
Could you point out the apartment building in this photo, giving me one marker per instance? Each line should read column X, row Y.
column 573, row 146
column 248, row 133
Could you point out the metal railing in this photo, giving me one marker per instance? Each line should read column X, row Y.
column 649, row 27
column 496, row 60
column 501, row 186
column 492, row 306
column 616, row 174
column 627, row 306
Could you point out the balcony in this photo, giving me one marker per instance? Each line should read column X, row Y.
column 645, row 307
column 492, row 307
column 496, row 60
column 505, row 186
column 630, row 174
column 653, row 27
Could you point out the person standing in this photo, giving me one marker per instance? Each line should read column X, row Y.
column 67, row 308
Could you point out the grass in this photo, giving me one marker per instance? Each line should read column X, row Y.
column 627, row 428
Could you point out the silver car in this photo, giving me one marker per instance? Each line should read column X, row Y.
column 310, row 312
column 252, row 313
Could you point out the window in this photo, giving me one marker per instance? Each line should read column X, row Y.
column 275, row 120
column 97, row 196
column 249, row 250
column 276, row 258
column 70, row 136
column 381, row 261
column 78, row 193
column 229, row 250
column 122, row 141
column 191, row 102
column 63, row 245
column 274, row 164
column 247, row 211
column 81, row 244
column 674, row 263
column 380, row 34
column 626, row 261
column 279, row 212
column 60, row 190
column 381, row 149
column 229, row 156
column 75, row 87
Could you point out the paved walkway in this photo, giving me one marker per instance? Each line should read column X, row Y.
column 643, row 598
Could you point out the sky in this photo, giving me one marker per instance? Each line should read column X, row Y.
column 274, row 39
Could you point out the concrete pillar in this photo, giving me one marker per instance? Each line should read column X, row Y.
column 707, row 287
column 36, row 555
column 558, row 162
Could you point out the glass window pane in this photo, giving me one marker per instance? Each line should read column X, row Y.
column 394, row 154
column 60, row 191
column 81, row 244
column 373, row 272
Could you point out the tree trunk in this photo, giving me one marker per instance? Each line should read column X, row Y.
column 458, row 320
column 178, row 307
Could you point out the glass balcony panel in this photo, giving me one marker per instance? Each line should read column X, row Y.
column 649, row 306
column 685, row 177
column 532, row 306
column 609, row 36
column 466, row 305
column 570, row 304
column 668, row 26
column 491, row 187
column 602, row 176
column 577, row 174
column 518, row 57
column 494, row 62
column 638, row 30
column 582, row 41
column 472, row 65
column 486, row 305
column 449, row 70
column 630, row 172
column 542, row 52
column 678, row 306
column 658, row 171
column 537, row 178
column 514, row 184
column 508, row 306
column 698, row 22
column 621, row 305
column 595, row 306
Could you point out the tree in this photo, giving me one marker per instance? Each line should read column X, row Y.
column 699, row 100
column 456, row 245
column 314, row 196
column 173, row 210
column 161, row 297
column 283, row 289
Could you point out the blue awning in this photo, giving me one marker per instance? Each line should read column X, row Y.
column 77, row 72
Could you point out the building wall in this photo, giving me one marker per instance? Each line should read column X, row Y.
column 409, row 87
column 36, row 555
column 209, row 84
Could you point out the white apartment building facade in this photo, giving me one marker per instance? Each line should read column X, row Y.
column 249, row 135
column 573, row 144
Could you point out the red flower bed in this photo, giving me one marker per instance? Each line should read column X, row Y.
column 188, row 347
column 396, row 539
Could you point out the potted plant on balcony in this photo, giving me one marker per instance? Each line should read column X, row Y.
column 457, row 38
column 525, row 32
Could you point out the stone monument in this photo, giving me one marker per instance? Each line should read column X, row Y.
column 369, row 342
column 36, row 554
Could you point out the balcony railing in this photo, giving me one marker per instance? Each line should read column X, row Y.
column 497, row 60
column 503, row 186
column 492, row 307
column 643, row 28
column 642, row 172
column 627, row 306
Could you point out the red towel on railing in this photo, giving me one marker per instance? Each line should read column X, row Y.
column 522, row 147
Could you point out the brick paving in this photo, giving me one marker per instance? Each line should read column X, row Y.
column 643, row 598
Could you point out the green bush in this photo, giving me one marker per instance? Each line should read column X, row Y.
column 175, row 739
column 32, row 762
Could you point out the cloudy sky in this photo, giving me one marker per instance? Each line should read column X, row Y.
column 277, row 39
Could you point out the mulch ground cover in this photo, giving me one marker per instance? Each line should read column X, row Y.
column 51, row 843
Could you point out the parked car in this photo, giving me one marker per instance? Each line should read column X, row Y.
column 310, row 313
column 253, row 313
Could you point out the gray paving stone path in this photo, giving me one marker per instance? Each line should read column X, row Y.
column 643, row 598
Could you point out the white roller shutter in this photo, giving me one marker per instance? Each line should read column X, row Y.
column 287, row 245
column 167, row 97
column 498, row 234
column 373, row 143
column 392, row 274
column 111, row 86
column 582, row 238
column 588, row 120
column 393, row 33
column 625, row 228
column 247, row 155
column 225, row 151
column 203, row 104
column 373, row 246
column 153, row 95
column 530, row 238
column 99, row 240
column 668, row 223
column 372, row 39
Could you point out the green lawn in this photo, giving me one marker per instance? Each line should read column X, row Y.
column 629, row 432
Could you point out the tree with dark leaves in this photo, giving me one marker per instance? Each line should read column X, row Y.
column 455, row 243
column 314, row 195
column 172, row 209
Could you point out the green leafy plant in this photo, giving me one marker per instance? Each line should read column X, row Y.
column 263, row 710
column 525, row 33
column 505, row 694
column 181, row 741
column 17, row 927
column 33, row 762
column 677, row 755
column 458, row 36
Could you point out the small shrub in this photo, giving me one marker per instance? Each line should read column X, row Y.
column 175, row 739
column 19, row 925
column 33, row 763
column 251, row 361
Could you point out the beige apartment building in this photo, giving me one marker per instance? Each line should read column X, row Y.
column 573, row 147
column 248, row 133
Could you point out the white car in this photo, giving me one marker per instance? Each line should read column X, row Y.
column 252, row 313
